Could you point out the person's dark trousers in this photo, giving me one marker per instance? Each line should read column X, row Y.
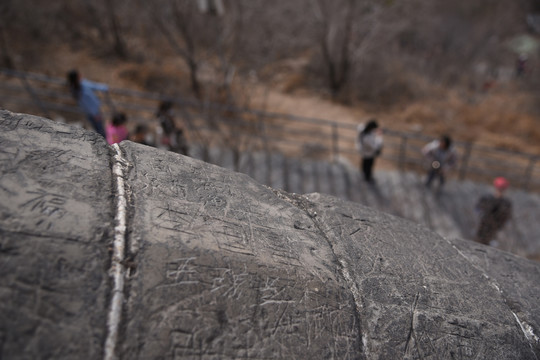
column 432, row 174
column 486, row 232
column 367, row 168
column 97, row 124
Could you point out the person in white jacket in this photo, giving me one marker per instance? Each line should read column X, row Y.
column 369, row 143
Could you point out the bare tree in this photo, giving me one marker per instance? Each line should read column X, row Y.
column 93, row 14
column 175, row 19
column 213, row 44
column 6, row 22
column 105, row 17
column 349, row 34
column 7, row 59
column 214, row 7
column 118, row 41
column 334, row 40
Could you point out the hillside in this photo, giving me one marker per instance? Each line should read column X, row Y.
column 425, row 66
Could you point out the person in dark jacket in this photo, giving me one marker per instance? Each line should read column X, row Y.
column 495, row 210
column 169, row 136
column 441, row 157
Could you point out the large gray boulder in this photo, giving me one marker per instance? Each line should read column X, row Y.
column 134, row 253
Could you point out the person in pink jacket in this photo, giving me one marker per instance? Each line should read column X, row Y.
column 117, row 131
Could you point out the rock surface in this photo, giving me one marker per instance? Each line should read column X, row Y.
column 214, row 265
column 56, row 218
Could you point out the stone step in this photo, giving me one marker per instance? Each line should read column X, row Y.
column 324, row 185
column 196, row 151
column 337, row 176
column 245, row 163
column 521, row 234
column 309, row 175
column 459, row 201
column 277, row 171
column 262, row 168
column 222, row 157
column 293, row 179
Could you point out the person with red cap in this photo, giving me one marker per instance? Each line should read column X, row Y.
column 495, row 210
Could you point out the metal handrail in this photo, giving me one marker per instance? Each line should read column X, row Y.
column 276, row 129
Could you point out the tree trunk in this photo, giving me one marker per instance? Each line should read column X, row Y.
column 119, row 45
column 6, row 59
column 338, row 67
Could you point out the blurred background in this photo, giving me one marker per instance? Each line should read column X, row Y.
column 417, row 65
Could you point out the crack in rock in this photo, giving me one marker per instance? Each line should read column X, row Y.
column 118, row 270
column 304, row 204
column 527, row 329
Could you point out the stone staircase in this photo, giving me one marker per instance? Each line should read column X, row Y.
column 449, row 212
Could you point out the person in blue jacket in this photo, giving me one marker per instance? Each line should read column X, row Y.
column 83, row 90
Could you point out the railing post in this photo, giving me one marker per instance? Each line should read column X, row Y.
column 403, row 152
column 528, row 172
column 109, row 102
column 267, row 155
column 335, row 139
column 465, row 161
